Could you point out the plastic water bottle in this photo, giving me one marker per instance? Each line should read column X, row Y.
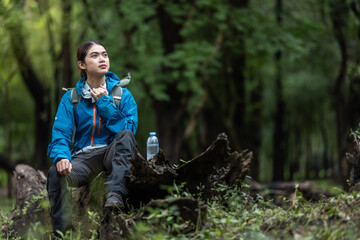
column 152, row 146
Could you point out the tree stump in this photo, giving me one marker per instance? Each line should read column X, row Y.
column 146, row 188
column 28, row 187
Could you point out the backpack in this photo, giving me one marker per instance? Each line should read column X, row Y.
column 116, row 96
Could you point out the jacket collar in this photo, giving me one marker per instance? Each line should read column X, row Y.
column 111, row 81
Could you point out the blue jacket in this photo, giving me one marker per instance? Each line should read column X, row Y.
column 96, row 123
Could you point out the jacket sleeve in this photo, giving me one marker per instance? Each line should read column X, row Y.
column 59, row 147
column 125, row 118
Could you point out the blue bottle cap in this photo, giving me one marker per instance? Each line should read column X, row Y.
column 152, row 133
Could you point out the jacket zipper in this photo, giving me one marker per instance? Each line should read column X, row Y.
column 94, row 123
column 99, row 125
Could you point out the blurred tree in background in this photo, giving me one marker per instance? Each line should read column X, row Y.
column 280, row 78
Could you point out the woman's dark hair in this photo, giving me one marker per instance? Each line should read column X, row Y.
column 83, row 50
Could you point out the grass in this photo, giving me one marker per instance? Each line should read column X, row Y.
column 234, row 214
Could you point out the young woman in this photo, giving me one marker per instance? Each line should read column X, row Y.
column 104, row 136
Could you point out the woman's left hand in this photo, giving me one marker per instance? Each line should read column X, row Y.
column 99, row 92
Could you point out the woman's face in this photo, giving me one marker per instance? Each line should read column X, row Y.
column 96, row 62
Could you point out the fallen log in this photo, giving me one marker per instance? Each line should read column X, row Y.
column 276, row 191
column 216, row 165
column 146, row 186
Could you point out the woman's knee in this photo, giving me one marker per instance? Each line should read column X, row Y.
column 53, row 179
column 125, row 134
column 52, row 171
column 126, row 138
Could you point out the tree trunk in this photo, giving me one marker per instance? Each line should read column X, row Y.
column 231, row 104
column 308, row 166
column 279, row 131
column 253, row 136
column 294, row 156
column 339, row 12
column 325, row 158
column 236, row 87
column 9, row 134
column 38, row 91
column 170, row 114
column 66, row 53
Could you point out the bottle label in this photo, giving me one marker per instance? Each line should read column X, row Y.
column 152, row 149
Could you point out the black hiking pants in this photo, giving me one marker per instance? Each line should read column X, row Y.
column 85, row 166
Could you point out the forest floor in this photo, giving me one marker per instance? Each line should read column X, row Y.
column 237, row 214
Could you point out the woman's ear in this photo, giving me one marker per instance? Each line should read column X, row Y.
column 81, row 65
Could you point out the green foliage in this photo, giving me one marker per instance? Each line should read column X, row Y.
column 95, row 220
column 223, row 57
column 234, row 214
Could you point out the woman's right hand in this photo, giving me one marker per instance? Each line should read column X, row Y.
column 64, row 166
column 99, row 92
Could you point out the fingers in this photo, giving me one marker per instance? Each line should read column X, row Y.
column 64, row 166
column 69, row 168
column 99, row 92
